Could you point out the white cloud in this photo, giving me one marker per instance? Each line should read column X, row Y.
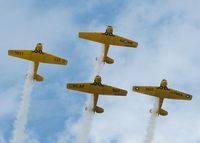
column 167, row 33
column 166, row 50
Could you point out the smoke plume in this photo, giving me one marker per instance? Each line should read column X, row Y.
column 22, row 113
column 152, row 123
column 83, row 127
column 100, row 63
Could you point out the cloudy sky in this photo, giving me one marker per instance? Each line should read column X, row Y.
column 168, row 36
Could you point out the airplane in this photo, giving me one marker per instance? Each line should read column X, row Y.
column 108, row 38
column 96, row 88
column 162, row 92
column 37, row 56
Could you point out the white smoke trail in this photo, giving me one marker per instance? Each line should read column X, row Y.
column 83, row 127
column 152, row 123
column 20, row 123
column 100, row 64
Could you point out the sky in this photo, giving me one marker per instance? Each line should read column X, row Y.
column 168, row 36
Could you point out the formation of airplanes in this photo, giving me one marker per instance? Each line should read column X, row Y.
column 96, row 88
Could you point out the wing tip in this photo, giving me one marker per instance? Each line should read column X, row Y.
column 135, row 88
column 80, row 34
column 136, row 44
column 65, row 61
column 10, row 52
column 189, row 97
column 125, row 92
column 68, row 85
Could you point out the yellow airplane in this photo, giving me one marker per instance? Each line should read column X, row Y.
column 162, row 92
column 97, row 88
column 108, row 38
column 37, row 56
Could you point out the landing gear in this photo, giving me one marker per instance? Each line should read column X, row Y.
column 38, row 51
column 165, row 87
column 110, row 34
column 106, row 33
column 97, row 83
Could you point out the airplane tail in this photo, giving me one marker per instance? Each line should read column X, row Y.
column 98, row 109
column 38, row 78
column 162, row 112
column 109, row 60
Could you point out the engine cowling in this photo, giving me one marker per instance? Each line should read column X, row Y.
column 39, row 47
column 109, row 30
column 97, row 79
column 163, row 83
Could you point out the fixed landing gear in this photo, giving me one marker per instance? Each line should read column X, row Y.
column 38, row 51
column 107, row 33
column 97, row 83
column 164, row 87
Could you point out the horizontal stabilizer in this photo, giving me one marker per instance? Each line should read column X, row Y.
column 99, row 109
column 38, row 77
column 109, row 60
column 163, row 112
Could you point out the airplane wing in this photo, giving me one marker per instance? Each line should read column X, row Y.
column 23, row 54
column 37, row 57
column 108, row 39
column 110, row 90
column 82, row 87
column 97, row 89
column 51, row 59
column 162, row 93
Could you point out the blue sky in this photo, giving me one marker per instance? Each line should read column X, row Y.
column 168, row 35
